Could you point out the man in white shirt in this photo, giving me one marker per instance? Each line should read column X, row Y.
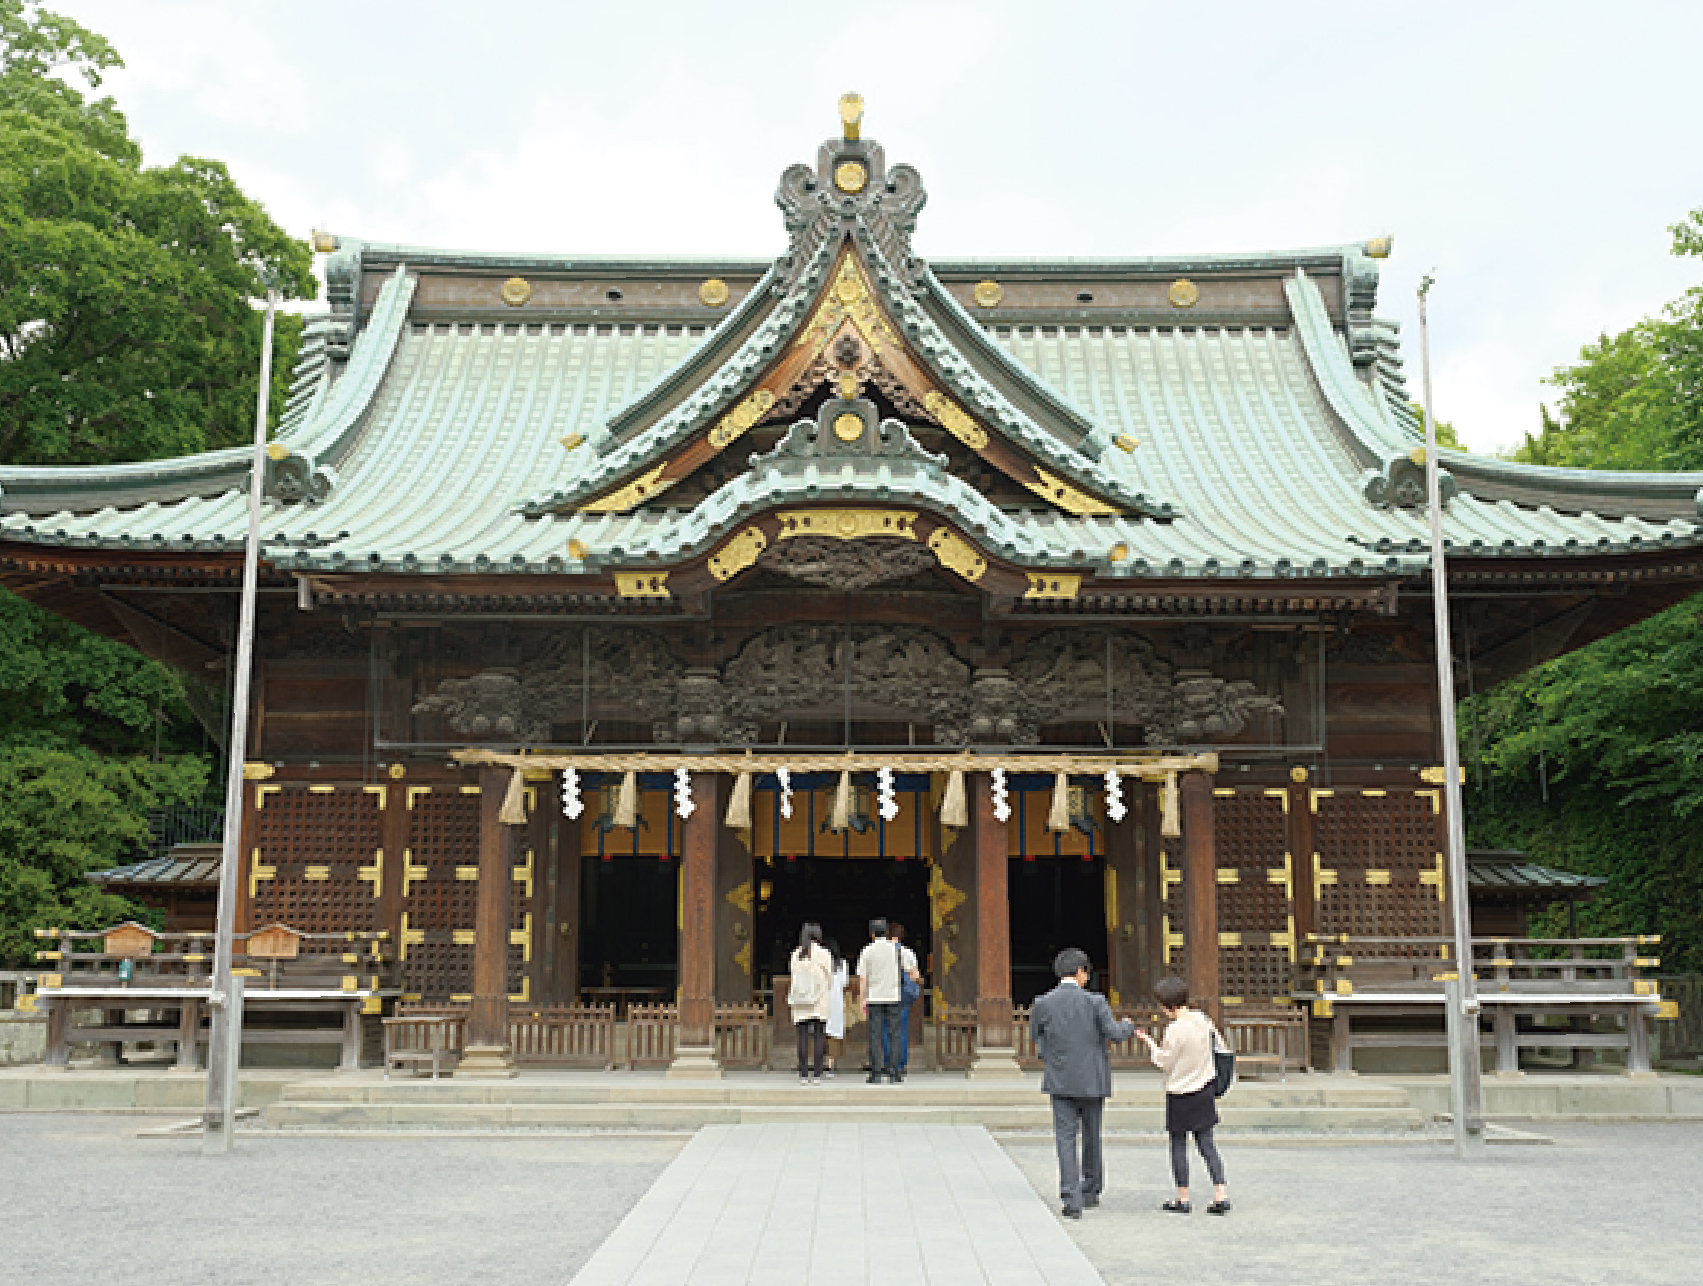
column 878, row 995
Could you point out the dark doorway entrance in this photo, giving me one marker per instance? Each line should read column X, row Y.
column 842, row 895
column 1056, row 902
column 629, row 927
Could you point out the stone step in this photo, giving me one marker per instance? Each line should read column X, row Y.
column 297, row 1114
column 618, row 1091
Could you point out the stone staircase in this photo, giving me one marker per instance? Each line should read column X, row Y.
column 1308, row 1105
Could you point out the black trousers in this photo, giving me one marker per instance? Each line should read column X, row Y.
column 1208, row 1152
column 883, row 1038
column 1075, row 1118
column 812, row 1046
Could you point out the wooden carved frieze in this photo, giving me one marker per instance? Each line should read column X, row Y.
column 834, row 563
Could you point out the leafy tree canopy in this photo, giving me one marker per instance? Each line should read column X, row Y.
column 1594, row 762
column 127, row 321
column 1633, row 400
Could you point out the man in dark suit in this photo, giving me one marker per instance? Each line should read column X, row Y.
column 1072, row 1027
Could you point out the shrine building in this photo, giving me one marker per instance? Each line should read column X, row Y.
column 617, row 615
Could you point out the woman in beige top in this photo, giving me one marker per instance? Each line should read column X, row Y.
column 1185, row 1057
column 808, row 996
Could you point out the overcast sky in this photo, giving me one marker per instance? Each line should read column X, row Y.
column 1532, row 155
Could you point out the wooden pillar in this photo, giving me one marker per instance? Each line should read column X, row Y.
column 694, row 1053
column 558, row 950
column 487, row 1052
column 394, row 828
column 952, row 971
column 996, row 1055
column 1126, row 982
column 735, row 904
column 1200, row 877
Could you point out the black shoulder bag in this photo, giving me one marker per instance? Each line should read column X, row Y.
column 1223, row 1064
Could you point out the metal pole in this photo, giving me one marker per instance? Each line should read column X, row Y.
column 225, row 1036
column 1466, row 1092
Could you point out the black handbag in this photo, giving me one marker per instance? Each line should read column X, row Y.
column 1223, row 1066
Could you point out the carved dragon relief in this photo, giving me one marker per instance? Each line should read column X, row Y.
column 907, row 672
column 1063, row 674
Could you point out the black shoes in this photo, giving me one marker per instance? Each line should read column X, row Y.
column 1176, row 1207
column 1071, row 1212
column 1219, row 1208
column 873, row 1079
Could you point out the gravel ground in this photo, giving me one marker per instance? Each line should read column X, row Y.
column 87, row 1201
column 1604, row 1204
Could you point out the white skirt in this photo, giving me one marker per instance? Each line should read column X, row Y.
column 837, row 1003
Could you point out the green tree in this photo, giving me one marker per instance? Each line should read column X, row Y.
column 128, row 328
column 1594, row 762
column 1633, row 400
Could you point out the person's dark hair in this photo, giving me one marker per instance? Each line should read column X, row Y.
column 895, row 931
column 832, row 946
column 878, row 928
column 1067, row 962
column 1173, row 993
column 809, row 933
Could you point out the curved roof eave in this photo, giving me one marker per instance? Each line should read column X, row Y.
column 323, row 431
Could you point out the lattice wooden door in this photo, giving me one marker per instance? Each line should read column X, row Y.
column 1378, row 869
column 440, row 891
column 317, row 863
column 1256, row 895
column 440, row 895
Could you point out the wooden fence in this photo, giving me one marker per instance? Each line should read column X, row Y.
column 742, row 1035
column 652, row 1031
column 1680, row 1039
column 564, row 1036
column 955, row 1037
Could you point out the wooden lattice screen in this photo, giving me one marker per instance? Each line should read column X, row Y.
column 315, row 862
column 440, row 891
column 1378, row 869
column 1256, row 908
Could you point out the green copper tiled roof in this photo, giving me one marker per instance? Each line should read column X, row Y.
column 434, row 437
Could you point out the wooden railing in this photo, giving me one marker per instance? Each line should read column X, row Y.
column 1344, row 966
column 954, row 1036
column 564, row 1036
column 955, row 1031
column 1524, row 985
column 652, row 1032
column 324, row 961
column 1679, row 1031
column 742, row 1035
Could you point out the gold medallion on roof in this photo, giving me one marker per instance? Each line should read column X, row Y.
column 516, row 291
column 1183, row 293
column 849, row 176
column 848, row 427
column 713, row 293
column 987, row 294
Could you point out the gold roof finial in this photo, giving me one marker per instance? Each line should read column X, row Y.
column 851, row 115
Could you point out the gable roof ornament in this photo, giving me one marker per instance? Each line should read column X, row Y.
column 848, row 297
column 851, row 186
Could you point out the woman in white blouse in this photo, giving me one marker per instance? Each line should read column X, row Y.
column 1185, row 1057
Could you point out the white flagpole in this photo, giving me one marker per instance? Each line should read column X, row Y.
column 1466, row 1093
column 219, row 1117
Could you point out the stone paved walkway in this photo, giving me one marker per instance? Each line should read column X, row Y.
column 827, row 1205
